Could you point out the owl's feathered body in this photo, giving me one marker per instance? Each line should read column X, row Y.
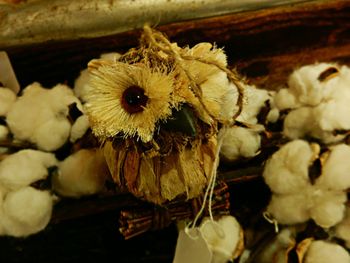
column 132, row 104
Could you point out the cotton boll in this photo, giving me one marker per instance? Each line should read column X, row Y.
column 290, row 209
column 26, row 211
column 4, row 131
column 285, row 99
column 61, row 96
column 239, row 142
column 82, row 173
column 325, row 252
column 335, row 171
column 7, row 98
column 245, row 142
column 342, row 230
column 287, row 169
column 79, row 128
column 318, row 122
column 81, row 84
column 22, row 121
column 25, row 167
column 46, row 122
column 298, row 123
column 318, row 95
column 329, row 207
column 254, row 100
column 305, row 83
column 333, row 115
column 52, row 134
column 222, row 237
column 273, row 115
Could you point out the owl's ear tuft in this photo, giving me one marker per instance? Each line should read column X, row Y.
column 96, row 63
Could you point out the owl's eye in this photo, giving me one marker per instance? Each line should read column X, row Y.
column 134, row 99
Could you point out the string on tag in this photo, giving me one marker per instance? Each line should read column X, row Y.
column 192, row 233
column 211, row 185
column 269, row 218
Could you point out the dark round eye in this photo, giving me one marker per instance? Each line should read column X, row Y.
column 134, row 99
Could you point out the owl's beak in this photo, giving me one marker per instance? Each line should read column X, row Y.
column 182, row 120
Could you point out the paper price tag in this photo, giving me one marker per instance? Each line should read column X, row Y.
column 192, row 248
column 7, row 75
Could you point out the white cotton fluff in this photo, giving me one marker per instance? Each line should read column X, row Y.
column 7, row 98
column 333, row 115
column 328, row 207
column 335, row 172
column 290, row 209
column 222, row 237
column 305, row 88
column 40, row 116
column 25, row 167
column 342, row 230
column 325, row 252
column 298, row 123
column 4, row 131
column 79, row 128
column 319, row 106
column 254, row 100
column 244, row 142
column 284, row 99
column 25, row 212
column 82, row 173
column 81, row 85
column 295, row 199
column 287, row 170
column 273, row 114
column 239, row 142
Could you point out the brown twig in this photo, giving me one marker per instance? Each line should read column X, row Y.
column 16, row 145
column 139, row 220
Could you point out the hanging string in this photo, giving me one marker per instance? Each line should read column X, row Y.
column 212, row 180
column 269, row 218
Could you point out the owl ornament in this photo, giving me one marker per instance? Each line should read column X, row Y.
column 158, row 110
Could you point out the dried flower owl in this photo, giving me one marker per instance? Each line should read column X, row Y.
column 157, row 111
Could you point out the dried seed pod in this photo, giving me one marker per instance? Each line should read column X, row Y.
column 278, row 249
column 302, row 248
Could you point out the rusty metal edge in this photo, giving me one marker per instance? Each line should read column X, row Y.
column 41, row 21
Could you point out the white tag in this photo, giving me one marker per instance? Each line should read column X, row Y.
column 192, row 248
column 7, row 75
